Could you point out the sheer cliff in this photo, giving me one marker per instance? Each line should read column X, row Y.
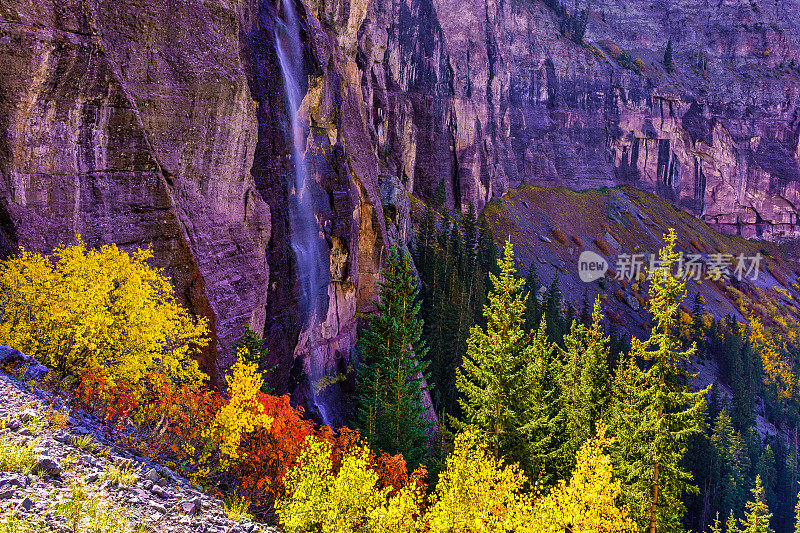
column 167, row 124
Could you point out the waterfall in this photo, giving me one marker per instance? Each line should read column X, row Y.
column 307, row 242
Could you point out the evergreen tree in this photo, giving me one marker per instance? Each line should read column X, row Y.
column 730, row 524
column 492, row 378
column 791, row 485
column 470, row 231
column 586, row 381
column 715, row 526
column 698, row 460
column 488, row 263
column 669, row 62
column 730, row 465
column 619, row 347
column 552, row 314
column 655, row 410
column 390, row 410
column 440, row 194
column 757, row 516
column 255, row 351
column 714, row 402
column 782, row 501
column 452, row 266
column 697, row 333
column 546, row 456
column 797, row 515
column 766, row 471
column 424, row 251
column 586, row 311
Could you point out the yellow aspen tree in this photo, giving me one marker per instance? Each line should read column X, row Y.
column 587, row 503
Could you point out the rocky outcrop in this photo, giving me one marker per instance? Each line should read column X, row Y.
column 487, row 95
column 29, row 367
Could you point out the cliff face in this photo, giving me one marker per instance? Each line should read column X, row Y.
column 140, row 123
column 131, row 122
column 491, row 94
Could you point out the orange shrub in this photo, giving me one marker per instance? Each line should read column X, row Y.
column 602, row 245
column 560, row 236
column 393, row 473
column 111, row 399
column 177, row 424
column 640, row 298
column 611, row 48
column 267, row 454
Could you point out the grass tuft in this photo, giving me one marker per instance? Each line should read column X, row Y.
column 16, row 457
column 122, row 475
column 9, row 523
column 83, row 443
column 237, row 508
column 86, row 510
column 36, row 423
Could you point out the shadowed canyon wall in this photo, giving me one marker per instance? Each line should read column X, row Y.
column 166, row 124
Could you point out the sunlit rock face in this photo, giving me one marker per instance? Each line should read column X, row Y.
column 167, row 124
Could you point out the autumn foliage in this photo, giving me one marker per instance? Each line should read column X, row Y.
column 777, row 369
column 103, row 311
column 110, row 326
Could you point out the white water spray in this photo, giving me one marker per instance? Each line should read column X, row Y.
column 307, row 242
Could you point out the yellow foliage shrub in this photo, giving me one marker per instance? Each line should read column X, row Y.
column 401, row 514
column 103, row 309
column 243, row 413
column 777, row 369
column 588, row 502
column 477, row 492
column 320, row 500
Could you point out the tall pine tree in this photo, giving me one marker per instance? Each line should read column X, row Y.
column 669, row 61
column 655, row 410
column 757, row 517
column 492, row 378
column 390, row 410
column 533, row 309
column 730, row 465
column 586, row 380
column 546, row 454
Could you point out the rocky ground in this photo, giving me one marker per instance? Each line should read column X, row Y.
column 59, row 473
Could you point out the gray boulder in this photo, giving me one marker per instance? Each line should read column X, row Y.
column 35, row 371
